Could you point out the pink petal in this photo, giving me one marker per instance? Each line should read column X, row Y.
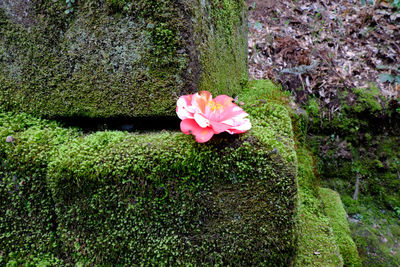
column 219, row 127
column 183, row 109
column 189, row 126
column 243, row 127
column 224, row 100
column 188, row 99
column 201, row 99
column 228, row 110
column 201, row 120
column 205, row 135
column 182, row 113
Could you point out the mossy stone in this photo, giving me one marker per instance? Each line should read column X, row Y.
column 118, row 58
column 158, row 198
column 338, row 219
column 317, row 244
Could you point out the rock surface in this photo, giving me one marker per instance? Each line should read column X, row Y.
column 118, row 58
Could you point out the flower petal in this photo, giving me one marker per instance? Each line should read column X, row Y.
column 243, row 127
column 201, row 120
column 201, row 99
column 189, row 126
column 224, row 100
column 183, row 109
column 205, row 135
column 219, row 127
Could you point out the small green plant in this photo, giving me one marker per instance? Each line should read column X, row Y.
column 70, row 8
column 396, row 4
column 367, row 2
column 397, row 210
column 393, row 76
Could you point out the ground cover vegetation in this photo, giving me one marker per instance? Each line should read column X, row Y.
column 339, row 60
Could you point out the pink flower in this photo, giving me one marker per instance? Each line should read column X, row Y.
column 203, row 116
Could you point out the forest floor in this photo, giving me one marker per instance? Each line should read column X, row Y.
column 323, row 47
column 320, row 50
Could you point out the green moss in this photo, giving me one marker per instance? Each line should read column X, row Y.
column 360, row 110
column 317, row 244
column 360, row 146
column 373, row 214
column 156, row 198
column 27, row 214
column 367, row 100
column 338, row 219
column 313, row 107
column 376, row 162
column 375, row 231
column 120, row 58
column 228, row 18
column 42, row 260
column 173, row 200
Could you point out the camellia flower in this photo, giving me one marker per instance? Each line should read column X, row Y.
column 204, row 116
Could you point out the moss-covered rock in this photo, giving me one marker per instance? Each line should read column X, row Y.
column 367, row 177
column 118, row 58
column 358, row 156
column 160, row 198
column 156, row 198
column 317, row 243
column 376, row 232
column 338, row 219
column 27, row 216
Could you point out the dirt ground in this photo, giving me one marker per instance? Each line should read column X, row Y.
column 320, row 48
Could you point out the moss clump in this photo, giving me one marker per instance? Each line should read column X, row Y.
column 160, row 198
column 174, row 201
column 375, row 229
column 120, row 58
column 229, row 19
column 357, row 153
column 27, row 215
column 361, row 110
column 375, row 162
column 338, row 219
column 317, row 242
column 367, row 100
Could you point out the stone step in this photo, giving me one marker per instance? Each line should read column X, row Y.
column 124, row 59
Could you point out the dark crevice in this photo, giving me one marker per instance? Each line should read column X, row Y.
column 141, row 124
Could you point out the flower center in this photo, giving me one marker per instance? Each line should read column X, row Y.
column 214, row 106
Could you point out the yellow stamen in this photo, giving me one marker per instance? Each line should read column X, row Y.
column 215, row 106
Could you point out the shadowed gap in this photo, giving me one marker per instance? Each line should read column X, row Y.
column 141, row 124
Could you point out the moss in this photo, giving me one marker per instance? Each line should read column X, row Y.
column 27, row 214
column 42, row 260
column 376, row 233
column 157, row 198
column 360, row 146
column 313, row 107
column 367, row 100
column 317, row 244
column 120, row 58
column 228, row 18
column 360, row 110
column 375, row 162
column 186, row 203
column 337, row 216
